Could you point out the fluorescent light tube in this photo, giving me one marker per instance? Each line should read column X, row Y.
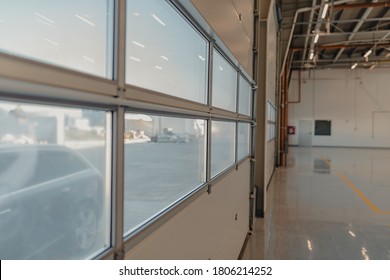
column 326, row 6
column 316, row 38
column 367, row 53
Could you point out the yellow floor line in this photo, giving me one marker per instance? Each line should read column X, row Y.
column 369, row 203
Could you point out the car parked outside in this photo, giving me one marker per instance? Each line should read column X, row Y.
column 51, row 203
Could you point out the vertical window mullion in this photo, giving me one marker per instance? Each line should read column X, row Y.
column 210, row 74
column 238, row 94
column 118, row 130
column 118, row 183
column 120, row 43
column 236, row 144
column 208, row 150
column 209, row 100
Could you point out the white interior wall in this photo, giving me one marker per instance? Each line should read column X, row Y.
column 208, row 227
column 356, row 101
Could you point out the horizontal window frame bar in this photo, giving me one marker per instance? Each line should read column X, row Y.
column 181, row 115
column 52, row 95
column 25, row 70
column 45, row 96
column 160, row 99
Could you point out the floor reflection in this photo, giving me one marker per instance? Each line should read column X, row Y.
column 312, row 216
column 320, row 166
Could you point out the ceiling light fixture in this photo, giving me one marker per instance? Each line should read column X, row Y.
column 311, row 55
column 309, row 245
column 316, row 38
column 326, row 6
column 354, row 66
column 368, row 53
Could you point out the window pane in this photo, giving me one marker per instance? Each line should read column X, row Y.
column 269, row 132
column 269, row 111
column 163, row 52
column 164, row 162
column 224, row 84
column 222, row 146
column 245, row 97
column 54, row 182
column 271, row 121
column 243, row 140
column 73, row 34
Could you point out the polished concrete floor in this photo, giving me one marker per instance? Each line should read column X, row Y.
column 327, row 204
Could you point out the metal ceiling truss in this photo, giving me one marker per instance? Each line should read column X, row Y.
column 329, row 33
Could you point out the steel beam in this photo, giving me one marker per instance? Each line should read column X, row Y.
column 356, row 29
column 362, row 6
column 344, row 46
column 341, row 21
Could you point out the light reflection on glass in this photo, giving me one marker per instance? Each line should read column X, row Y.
column 364, row 253
column 156, row 34
column 245, row 97
column 224, row 94
column 61, row 33
column 243, row 141
column 309, row 245
column 54, row 181
column 222, row 146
